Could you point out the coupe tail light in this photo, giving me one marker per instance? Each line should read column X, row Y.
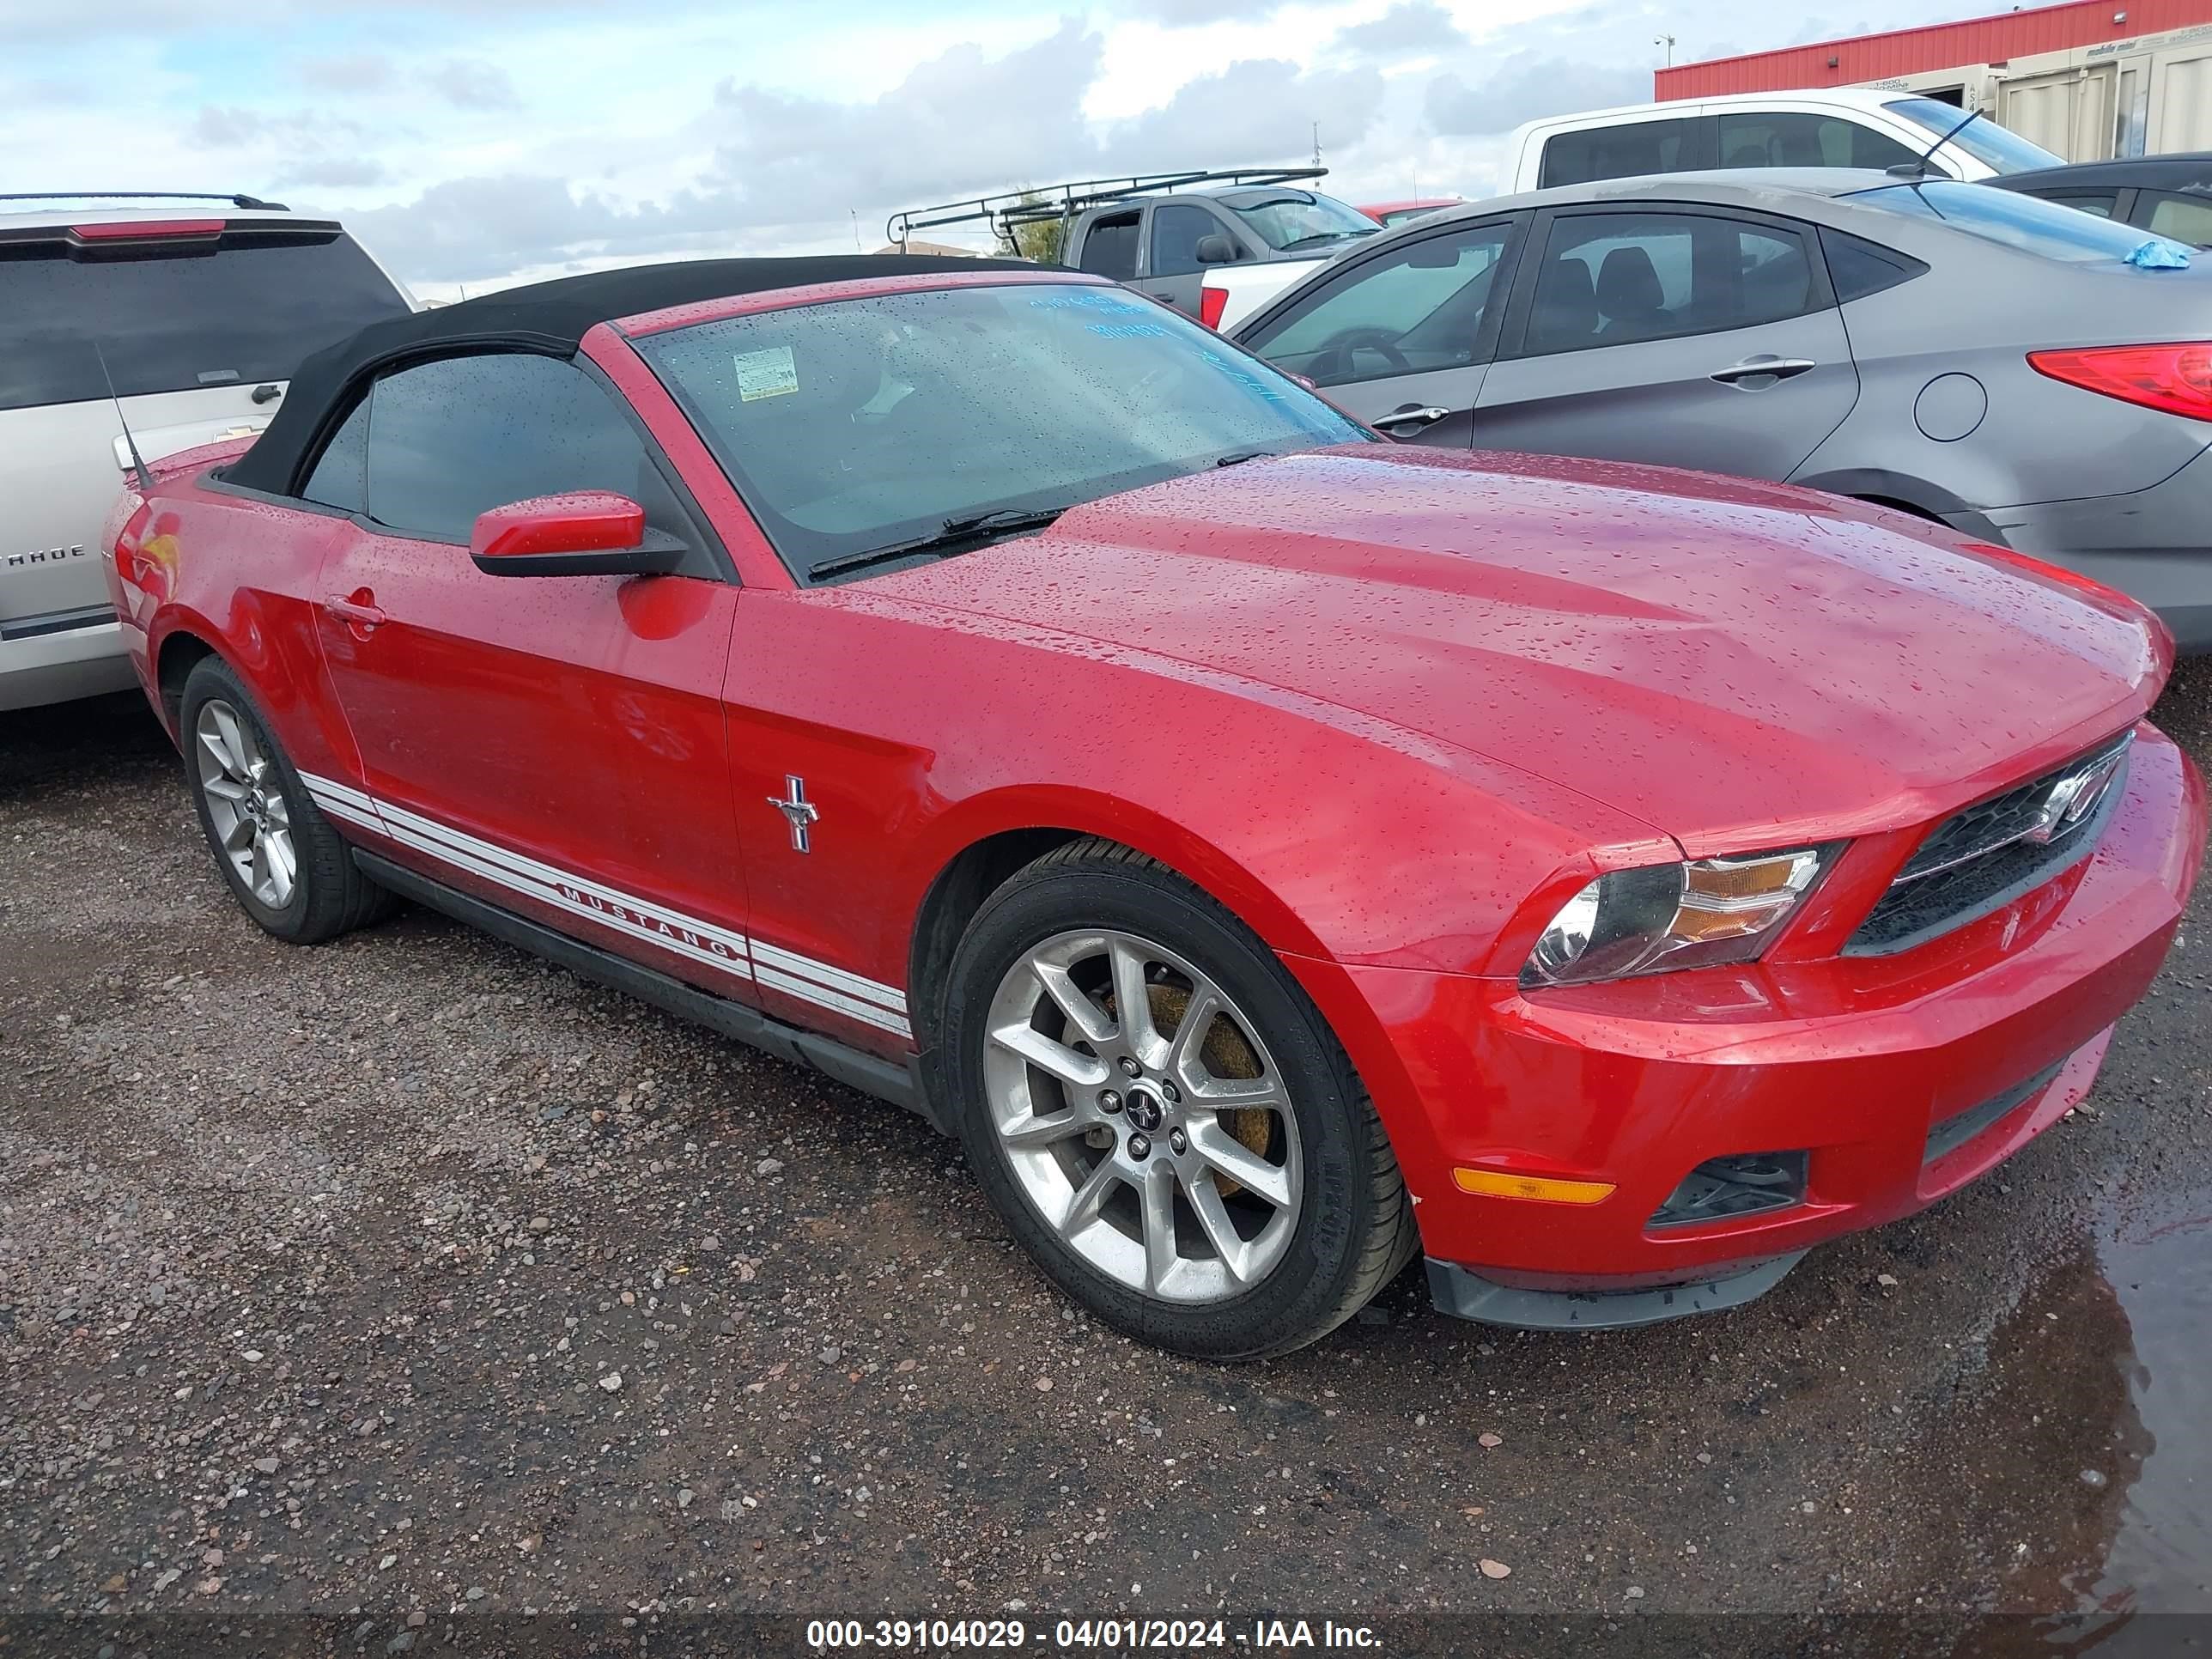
column 1211, row 302
column 2175, row 379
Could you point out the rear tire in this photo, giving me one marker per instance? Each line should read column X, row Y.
column 284, row 862
column 1226, row 1192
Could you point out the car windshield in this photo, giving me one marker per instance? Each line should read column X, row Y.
column 1997, row 148
column 864, row 424
column 2026, row 222
column 1287, row 219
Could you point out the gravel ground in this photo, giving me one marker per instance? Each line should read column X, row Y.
column 409, row 1277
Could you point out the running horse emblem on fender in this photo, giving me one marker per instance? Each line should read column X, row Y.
column 799, row 812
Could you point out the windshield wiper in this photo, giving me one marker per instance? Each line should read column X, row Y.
column 955, row 534
column 1238, row 457
column 1322, row 236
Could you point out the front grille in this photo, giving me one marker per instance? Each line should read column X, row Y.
column 1990, row 853
column 1957, row 1130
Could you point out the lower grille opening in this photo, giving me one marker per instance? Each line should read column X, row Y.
column 1956, row 1131
column 1741, row 1184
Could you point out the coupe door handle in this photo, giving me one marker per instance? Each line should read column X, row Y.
column 358, row 611
column 1763, row 366
column 1412, row 416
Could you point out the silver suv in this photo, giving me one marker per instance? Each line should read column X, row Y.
column 194, row 310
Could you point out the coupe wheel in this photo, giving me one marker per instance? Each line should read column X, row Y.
column 1161, row 1115
column 284, row 862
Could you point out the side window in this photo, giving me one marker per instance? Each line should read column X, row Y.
column 1177, row 227
column 1858, row 268
column 1109, row 247
column 2185, row 218
column 2099, row 202
column 1633, row 148
column 1616, row 278
column 448, row 440
column 341, row 476
column 1790, row 140
column 1418, row 308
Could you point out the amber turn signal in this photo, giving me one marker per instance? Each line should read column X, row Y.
column 1541, row 1189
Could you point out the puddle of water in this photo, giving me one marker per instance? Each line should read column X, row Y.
column 2160, row 1558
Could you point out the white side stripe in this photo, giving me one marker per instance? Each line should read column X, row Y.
column 546, row 875
column 771, row 956
column 770, row 966
column 771, row 979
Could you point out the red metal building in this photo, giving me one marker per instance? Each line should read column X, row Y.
column 1993, row 40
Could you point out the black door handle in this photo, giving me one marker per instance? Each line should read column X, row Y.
column 1762, row 367
column 267, row 394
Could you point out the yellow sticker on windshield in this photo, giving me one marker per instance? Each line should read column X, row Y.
column 765, row 374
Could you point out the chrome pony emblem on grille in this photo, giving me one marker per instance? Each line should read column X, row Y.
column 2074, row 794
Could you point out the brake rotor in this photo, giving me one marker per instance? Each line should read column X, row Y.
column 1229, row 1055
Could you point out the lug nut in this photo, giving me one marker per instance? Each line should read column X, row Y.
column 1129, row 1068
column 1169, row 1092
column 1139, row 1147
column 1178, row 1142
column 1108, row 1101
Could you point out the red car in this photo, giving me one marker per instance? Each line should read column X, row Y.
column 1270, row 849
column 1388, row 214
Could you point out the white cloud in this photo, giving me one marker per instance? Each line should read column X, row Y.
column 471, row 141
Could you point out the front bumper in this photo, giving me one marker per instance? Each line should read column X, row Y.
column 56, row 667
column 1854, row 1061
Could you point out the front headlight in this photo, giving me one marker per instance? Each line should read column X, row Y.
column 1666, row 916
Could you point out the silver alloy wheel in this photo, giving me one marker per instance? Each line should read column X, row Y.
column 245, row 804
column 1143, row 1116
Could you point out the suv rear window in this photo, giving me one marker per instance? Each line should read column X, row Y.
column 245, row 309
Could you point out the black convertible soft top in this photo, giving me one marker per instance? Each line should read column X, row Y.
column 551, row 317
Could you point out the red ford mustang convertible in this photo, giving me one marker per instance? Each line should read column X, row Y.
column 1270, row 850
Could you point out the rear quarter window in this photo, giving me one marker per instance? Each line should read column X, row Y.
column 245, row 309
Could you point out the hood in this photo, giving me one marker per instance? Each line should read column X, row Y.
column 1736, row 664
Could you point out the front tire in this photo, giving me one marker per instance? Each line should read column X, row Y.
column 285, row 863
column 1161, row 1117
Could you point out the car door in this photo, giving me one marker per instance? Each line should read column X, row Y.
column 1172, row 233
column 1400, row 337
column 553, row 743
column 1689, row 337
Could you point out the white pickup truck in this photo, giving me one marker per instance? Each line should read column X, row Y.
column 185, row 315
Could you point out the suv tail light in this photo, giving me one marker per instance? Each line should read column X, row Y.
column 146, row 230
column 2175, row 379
column 1211, row 302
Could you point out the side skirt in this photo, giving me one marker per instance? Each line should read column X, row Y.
column 900, row 1084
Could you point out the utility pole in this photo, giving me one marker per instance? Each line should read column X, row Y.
column 1317, row 132
column 855, row 212
column 1668, row 41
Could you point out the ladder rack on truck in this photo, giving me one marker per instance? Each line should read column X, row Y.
column 1004, row 213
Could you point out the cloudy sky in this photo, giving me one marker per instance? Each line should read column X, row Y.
column 477, row 140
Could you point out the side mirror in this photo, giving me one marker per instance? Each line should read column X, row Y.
column 1216, row 249
column 586, row 533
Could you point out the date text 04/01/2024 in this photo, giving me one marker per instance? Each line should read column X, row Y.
column 1106, row 1635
